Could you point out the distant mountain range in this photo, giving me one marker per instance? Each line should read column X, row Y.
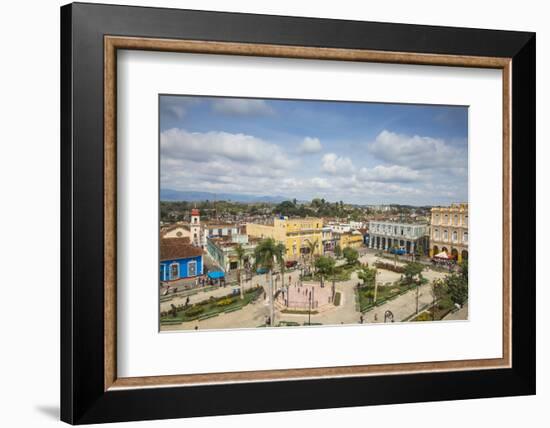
column 190, row 196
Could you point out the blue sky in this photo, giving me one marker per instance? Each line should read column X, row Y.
column 365, row 153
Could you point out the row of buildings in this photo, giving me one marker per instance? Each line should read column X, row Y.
column 446, row 232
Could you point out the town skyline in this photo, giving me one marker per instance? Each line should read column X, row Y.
column 359, row 153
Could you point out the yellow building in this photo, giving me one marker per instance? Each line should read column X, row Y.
column 297, row 234
column 449, row 231
column 352, row 239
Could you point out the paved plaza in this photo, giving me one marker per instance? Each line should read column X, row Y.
column 347, row 312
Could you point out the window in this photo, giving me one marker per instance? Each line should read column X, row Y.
column 455, row 236
column 436, row 234
column 455, row 219
column 174, row 271
column 465, row 237
column 445, row 235
column 446, row 219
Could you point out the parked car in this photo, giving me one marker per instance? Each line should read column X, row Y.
column 398, row 251
column 291, row 263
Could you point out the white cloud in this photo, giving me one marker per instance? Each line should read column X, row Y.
column 388, row 174
column 416, row 152
column 336, row 165
column 242, row 107
column 221, row 162
column 310, row 145
column 320, row 183
column 219, row 146
column 176, row 107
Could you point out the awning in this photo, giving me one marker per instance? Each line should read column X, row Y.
column 215, row 275
column 442, row 255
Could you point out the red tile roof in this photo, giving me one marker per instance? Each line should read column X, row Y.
column 178, row 248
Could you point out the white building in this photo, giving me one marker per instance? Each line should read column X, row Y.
column 385, row 235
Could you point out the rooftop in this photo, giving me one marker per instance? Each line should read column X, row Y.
column 177, row 248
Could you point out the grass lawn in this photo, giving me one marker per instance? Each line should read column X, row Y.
column 441, row 310
column 210, row 307
column 341, row 273
column 385, row 293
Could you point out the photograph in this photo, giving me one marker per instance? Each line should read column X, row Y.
column 293, row 213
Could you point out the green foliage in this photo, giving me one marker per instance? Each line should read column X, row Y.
column 225, row 302
column 457, row 287
column 267, row 254
column 193, row 312
column 389, row 266
column 464, row 269
column 368, row 276
column 325, row 265
column 351, row 255
column 424, row 316
column 413, row 272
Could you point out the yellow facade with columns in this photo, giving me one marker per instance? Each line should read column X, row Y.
column 294, row 233
column 449, row 231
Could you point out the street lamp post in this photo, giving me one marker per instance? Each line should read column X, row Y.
column 417, row 287
column 309, row 312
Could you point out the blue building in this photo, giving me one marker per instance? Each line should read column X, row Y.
column 179, row 259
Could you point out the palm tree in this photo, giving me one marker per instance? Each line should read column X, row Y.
column 311, row 245
column 267, row 254
column 281, row 250
column 240, row 253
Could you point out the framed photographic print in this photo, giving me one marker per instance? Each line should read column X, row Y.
column 276, row 213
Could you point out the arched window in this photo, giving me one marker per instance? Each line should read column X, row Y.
column 465, row 237
column 455, row 220
column 436, row 233
column 445, row 235
column 455, row 236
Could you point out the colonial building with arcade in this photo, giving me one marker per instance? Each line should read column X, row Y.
column 410, row 237
column 449, row 231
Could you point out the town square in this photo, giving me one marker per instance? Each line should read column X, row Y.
column 285, row 230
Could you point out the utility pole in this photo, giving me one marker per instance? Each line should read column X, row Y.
column 417, row 287
column 309, row 313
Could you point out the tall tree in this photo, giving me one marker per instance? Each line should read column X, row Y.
column 368, row 276
column 312, row 246
column 351, row 255
column 437, row 289
column 413, row 272
column 457, row 286
column 325, row 266
column 267, row 254
column 281, row 251
column 240, row 253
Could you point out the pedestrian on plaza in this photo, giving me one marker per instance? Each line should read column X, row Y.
column 375, row 317
column 361, row 319
column 187, row 301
